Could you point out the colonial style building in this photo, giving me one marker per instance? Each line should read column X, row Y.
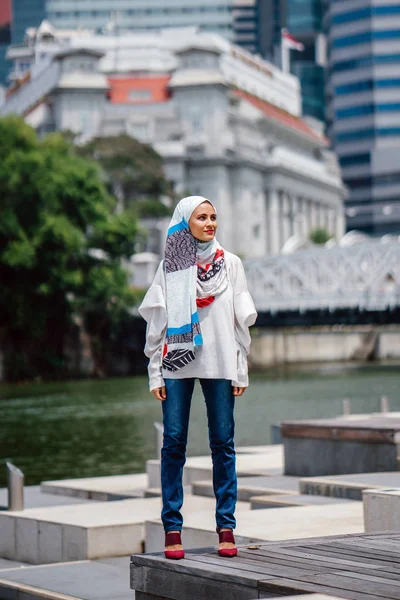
column 228, row 124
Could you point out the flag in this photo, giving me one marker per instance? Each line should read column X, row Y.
column 289, row 41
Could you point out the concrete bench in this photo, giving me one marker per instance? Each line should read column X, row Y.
column 353, row 444
column 82, row 532
column 382, row 510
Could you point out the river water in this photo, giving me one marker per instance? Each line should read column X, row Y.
column 92, row 428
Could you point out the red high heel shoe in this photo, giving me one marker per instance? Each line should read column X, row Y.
column 226, row 536
column 172, row 539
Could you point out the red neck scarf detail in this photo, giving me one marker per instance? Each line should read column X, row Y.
column 203, row 302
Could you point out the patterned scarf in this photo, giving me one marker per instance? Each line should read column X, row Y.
column 195, row 274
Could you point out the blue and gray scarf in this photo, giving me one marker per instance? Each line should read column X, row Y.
column 186, row 281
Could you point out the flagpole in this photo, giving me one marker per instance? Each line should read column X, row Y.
column 285, row 57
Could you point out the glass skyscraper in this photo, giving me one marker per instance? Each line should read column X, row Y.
column 26, row 13
column 304, row 20
column 364, row 109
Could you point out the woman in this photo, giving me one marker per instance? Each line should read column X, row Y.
column 198, row 311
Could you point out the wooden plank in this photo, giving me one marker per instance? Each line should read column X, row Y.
column 339, row 433
column 380, row 580
column 373, row 561
column 373, row 586
column 326, row 564
column 289, row 587
column 262, row 569
column 366, row 548
column 343, row 550
column 393, row 545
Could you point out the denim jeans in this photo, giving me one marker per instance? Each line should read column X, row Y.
column 220, row 403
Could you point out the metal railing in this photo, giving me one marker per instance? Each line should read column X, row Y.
column 366, row 277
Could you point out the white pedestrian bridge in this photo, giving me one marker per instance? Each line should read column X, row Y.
column 358, row 273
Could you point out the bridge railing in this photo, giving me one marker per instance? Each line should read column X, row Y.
column 363, row 277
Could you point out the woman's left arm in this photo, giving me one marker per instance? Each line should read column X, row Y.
column 245, row 316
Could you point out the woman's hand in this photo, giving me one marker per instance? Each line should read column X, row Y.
column 160, row 393
column 238, row 391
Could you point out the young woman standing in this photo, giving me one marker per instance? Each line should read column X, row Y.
column 198, row 312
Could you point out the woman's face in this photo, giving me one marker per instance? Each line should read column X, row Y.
column 203, row 222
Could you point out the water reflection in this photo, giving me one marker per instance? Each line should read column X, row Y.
column 93, row 428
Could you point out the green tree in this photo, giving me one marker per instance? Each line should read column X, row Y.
column 61, row 246
column 319, row 235
column 133, row 172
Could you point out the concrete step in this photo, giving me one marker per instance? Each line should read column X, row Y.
column 285, row 500
column 87, row 531
column 268, row 460
column 252, row 486
column 84, row 580
column 382, row 510
column 268, row 524
column 348, row 486
column 34, row 497
column 116, row 487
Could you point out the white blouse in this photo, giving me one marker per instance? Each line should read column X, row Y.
column 224, row 326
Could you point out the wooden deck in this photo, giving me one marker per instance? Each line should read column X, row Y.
column 358, row 567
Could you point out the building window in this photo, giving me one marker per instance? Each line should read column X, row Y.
column 352, row 88
column 139, row 95
column 139, row 130
column 355, row 159
column 367, row 109
column 365, row 61
column 365, row 13
column 366, row 36
column 348, row 136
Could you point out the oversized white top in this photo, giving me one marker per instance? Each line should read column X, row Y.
column 224, row 325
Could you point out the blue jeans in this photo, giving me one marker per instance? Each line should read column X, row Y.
column 220, row 403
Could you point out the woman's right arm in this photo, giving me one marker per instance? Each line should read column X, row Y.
column 153, row 310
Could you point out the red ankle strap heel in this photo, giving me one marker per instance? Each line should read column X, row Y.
column 226, row 536
column 173, row 539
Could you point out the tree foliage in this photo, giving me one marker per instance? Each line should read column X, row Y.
column 319, row 235
column 61, row 246
column 133, row 172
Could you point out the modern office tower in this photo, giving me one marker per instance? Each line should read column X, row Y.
column 364, row 87
column 272, row 17
column 210, row 15
column 304, row 20
column 5, row 38
column 26, row 13
column 245, row 25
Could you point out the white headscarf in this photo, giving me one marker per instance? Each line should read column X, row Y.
column 183, row 252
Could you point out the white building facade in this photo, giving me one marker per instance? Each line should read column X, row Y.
column 227, row 124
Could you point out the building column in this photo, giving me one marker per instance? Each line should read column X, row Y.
column 308, row 214
column 285, row 217
column 301, row 218
column 331, row 221
column 313, row 215
column 340, row 224
column 273, row 222
column 296, row 216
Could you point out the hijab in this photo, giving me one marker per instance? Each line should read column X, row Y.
column 195, row 275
